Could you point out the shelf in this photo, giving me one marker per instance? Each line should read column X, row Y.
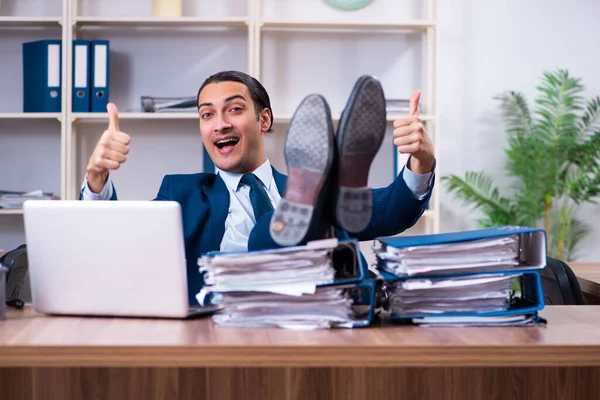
column 11, row 212
column 426, row 214
column 30, row 116
column 286, row 118
column 29, row 21
column 415, row 25
column 135, row 22
column 102, row 117
column 278, row 119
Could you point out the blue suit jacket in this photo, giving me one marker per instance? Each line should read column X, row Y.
column 204, row 201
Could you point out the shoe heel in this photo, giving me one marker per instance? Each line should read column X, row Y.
column 354, row 208
column 290, row 223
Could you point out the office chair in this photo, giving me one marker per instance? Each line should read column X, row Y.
column 559, row 284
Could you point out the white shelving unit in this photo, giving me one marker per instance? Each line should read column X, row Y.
column 11, row 212
column 57, row 116
column 29, row 21
column 138, row 22
column 278, row 41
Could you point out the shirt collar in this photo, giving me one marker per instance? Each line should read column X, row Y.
column 232, row 179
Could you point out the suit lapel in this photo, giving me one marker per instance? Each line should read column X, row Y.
column 280, row 180
column 218, row 198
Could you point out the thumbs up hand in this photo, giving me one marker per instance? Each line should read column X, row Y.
column 110, row 152
column 411, row 138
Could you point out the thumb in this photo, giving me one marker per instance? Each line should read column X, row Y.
column 414, row 103
column 113, row 117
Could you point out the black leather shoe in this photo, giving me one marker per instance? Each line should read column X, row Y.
column 360, row 133
column 309, row 154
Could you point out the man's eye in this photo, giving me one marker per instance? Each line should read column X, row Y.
column 235, row 109
column 205, row 115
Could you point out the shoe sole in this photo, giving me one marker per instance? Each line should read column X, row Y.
column 360, row 135
column 308, row 153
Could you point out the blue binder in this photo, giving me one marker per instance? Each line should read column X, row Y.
column 531, row 258
column 363, row 296
column 464, row 236
column 42, row 76
column 532, row 245
column 528, row 302
column 81, row 76
column 100, row 57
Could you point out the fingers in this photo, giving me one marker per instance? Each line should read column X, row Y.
column 409, row 129
column 120, row 137
column 115, row 140
column 410, row 139
column 406, row 121
column 102, row 164
column 113, row 117
column 410, row 148
column 118, row 147
column 113, row 155
column 414, row 103
column 407, row 140
column 112, row 148
column 110, row 152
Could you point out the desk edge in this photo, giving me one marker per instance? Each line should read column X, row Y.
column 302, row 356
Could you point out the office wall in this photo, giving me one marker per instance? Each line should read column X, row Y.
column 487, row 47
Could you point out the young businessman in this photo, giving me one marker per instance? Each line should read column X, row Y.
column 221, row 211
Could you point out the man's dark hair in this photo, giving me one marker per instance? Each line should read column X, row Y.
column 259, row 95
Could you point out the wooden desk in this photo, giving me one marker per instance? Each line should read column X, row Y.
column 94, row 358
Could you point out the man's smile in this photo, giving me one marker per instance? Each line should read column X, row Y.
column 226, row 144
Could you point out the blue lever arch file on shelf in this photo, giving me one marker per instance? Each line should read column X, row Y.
column 100, row 62
column 81, row 76
column 42, row 76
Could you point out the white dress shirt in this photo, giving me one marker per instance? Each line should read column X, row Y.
column 240, row 217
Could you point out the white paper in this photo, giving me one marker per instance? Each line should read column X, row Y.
column 277, row 288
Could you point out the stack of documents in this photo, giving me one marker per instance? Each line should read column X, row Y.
column 295, row 287
column 482, row 277
column 465, row 294
column 475, row 256
column 11, row 200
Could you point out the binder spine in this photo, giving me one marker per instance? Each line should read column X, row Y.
column 100, row 75
column 81, row 76
column 42, row 76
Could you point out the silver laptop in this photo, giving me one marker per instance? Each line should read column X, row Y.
column 110, row 258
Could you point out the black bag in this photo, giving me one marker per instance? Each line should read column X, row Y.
column 560, row 285
column 15, row 261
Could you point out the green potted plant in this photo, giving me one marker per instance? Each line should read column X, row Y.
column 552, row 155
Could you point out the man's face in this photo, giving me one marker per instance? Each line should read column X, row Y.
column 230, row 130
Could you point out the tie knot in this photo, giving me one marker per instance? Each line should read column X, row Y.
column 248, row 179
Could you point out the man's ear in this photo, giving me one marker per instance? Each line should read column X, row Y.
column 265, row 120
